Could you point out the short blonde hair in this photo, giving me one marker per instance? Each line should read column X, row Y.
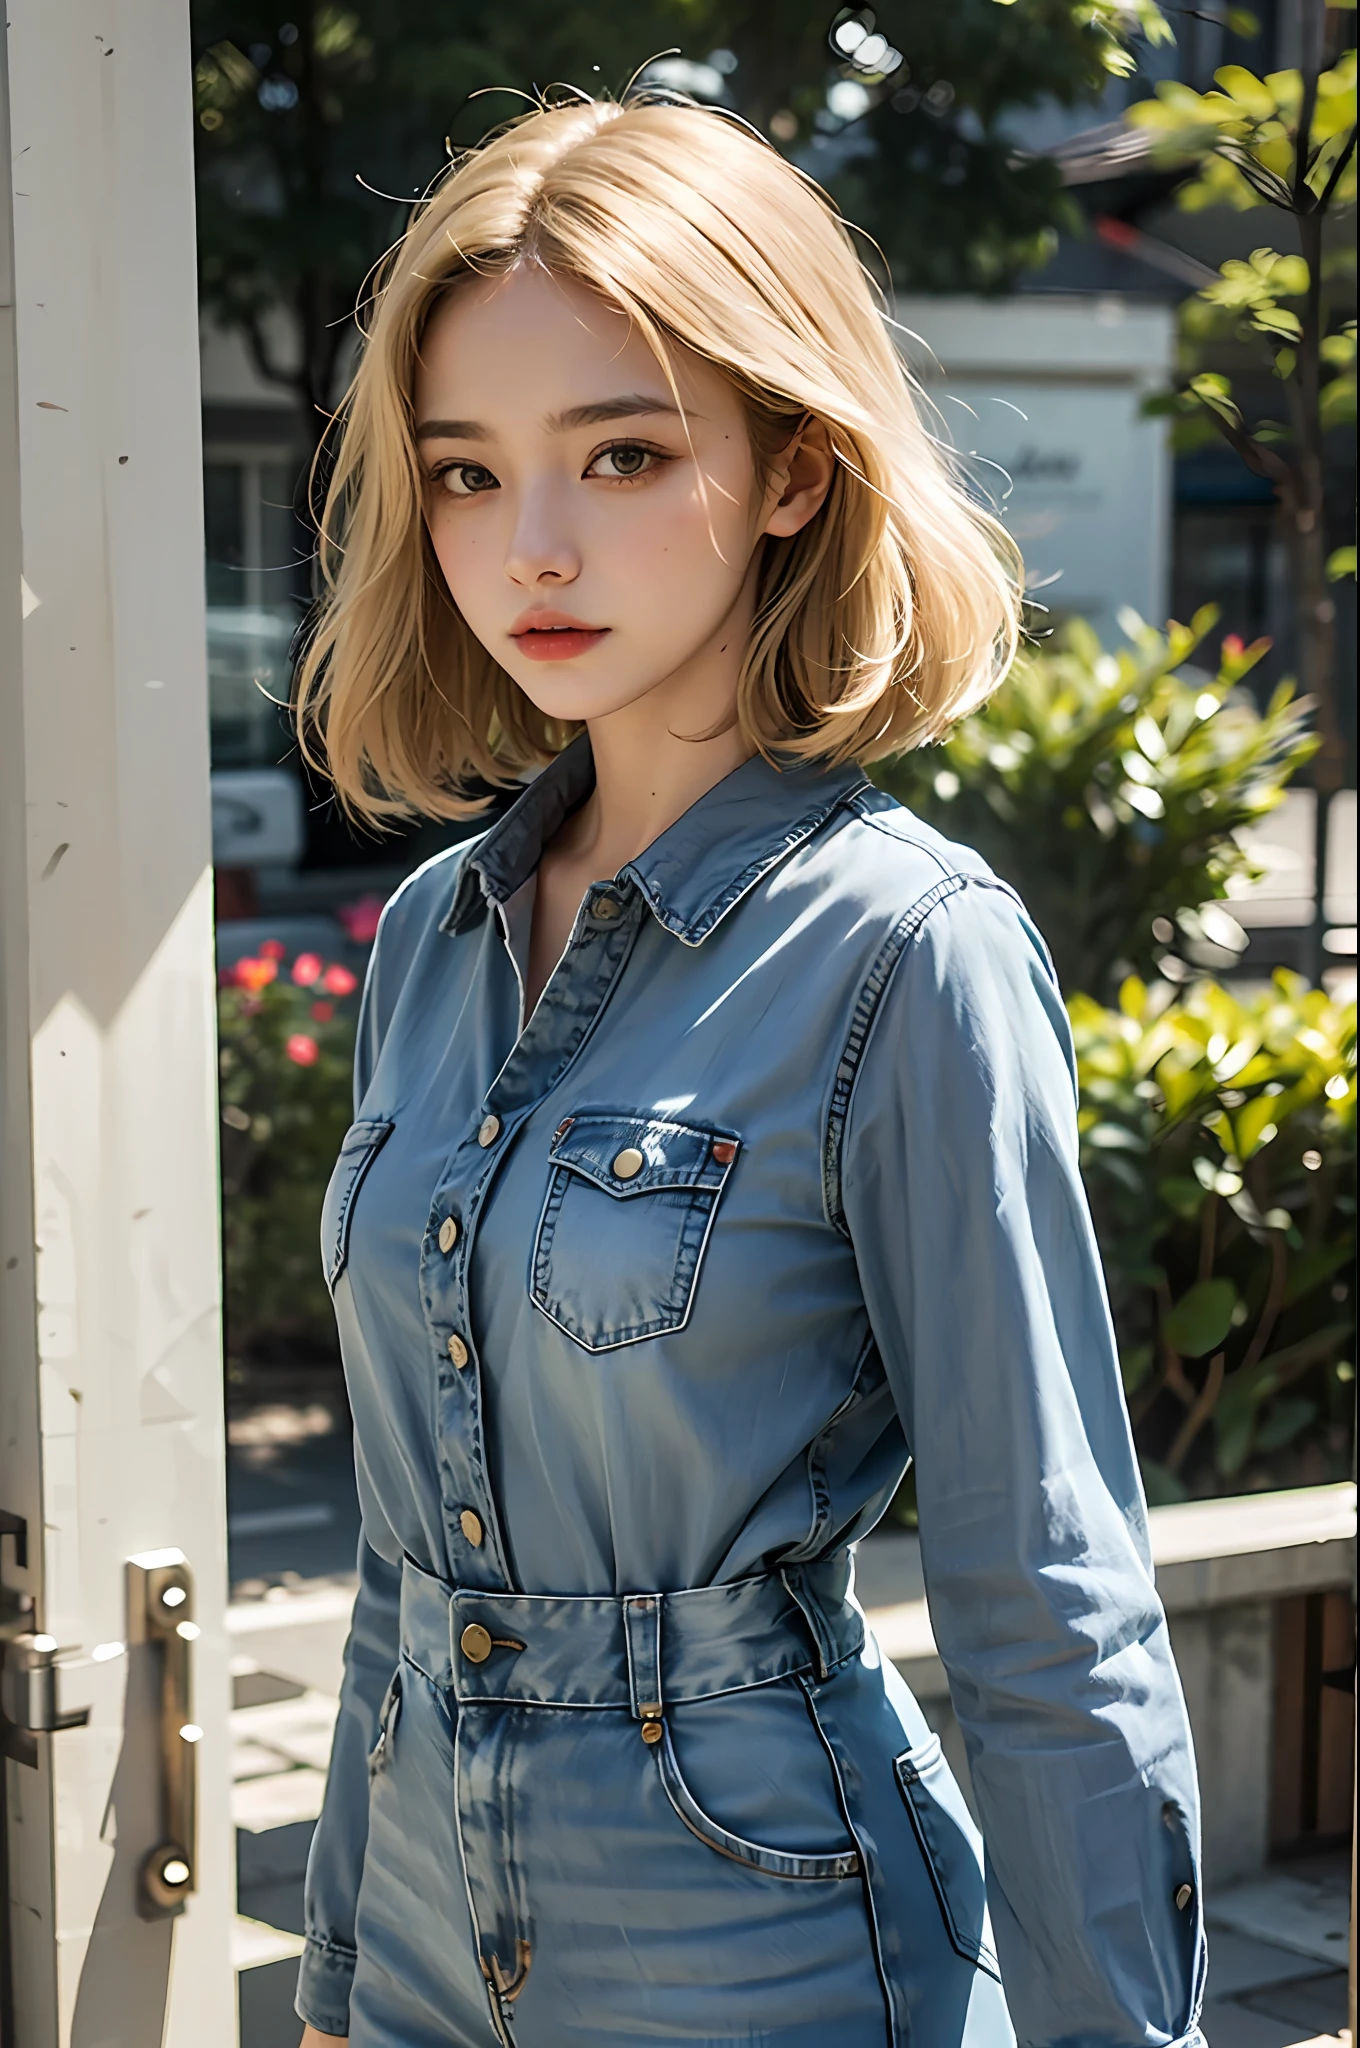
column 890, row 615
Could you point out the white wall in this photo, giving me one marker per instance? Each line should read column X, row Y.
column 1050, row 390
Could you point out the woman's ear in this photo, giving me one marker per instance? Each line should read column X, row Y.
column 800, row 478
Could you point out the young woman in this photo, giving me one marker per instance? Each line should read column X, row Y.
column 714, row 1154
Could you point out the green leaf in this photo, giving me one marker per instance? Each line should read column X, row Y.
column 1134, row 1366
column 1282, row 1422
column 1341, row 562
column 1202, row 1318
column 1163, row 1489
column 1313, row 1268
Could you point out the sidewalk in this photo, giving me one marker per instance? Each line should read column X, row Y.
column 1277, row 1971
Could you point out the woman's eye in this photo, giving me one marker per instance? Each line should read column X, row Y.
column 625, row 459
column 466, row 480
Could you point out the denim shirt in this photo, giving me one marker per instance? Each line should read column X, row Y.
column 776, row 1190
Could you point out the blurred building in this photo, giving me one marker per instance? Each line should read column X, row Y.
column 1042, row 394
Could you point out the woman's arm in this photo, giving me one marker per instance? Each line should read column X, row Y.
column 980, row 1271
column 336, row 1861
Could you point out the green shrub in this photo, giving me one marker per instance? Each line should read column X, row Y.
column 286, row 1053
column 1107, row 787
column 1218, row 1149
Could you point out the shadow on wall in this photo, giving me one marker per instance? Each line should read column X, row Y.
column 126, row 1972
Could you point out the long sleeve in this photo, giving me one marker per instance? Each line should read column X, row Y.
column 335, row 1864
column 336, row 1860
column 982, row 1279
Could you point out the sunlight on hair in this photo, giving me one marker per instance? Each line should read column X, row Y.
column 893, row 613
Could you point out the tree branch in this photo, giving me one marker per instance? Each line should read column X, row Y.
column 1205, row 1403
column 1262, row 462
column 1324, row 198
column 1313, row 30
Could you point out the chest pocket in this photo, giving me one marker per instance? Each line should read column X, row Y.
column 362, row 1144
column 626, row 1219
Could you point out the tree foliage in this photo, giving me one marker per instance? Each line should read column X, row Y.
column 1107, row 787
column 1218, row 1150
column 904, row 117
column 1285, row 142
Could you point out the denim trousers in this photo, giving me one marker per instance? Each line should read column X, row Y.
column 589, row 1867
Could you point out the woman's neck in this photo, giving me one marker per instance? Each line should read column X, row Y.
column 641, row 789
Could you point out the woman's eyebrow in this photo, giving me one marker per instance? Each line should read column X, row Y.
column 632, row 405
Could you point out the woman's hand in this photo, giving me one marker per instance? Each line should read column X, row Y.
column 312, row 2039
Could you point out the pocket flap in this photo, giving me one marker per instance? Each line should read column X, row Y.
column 360, row 1147
column 637, row 1155
column 951, row 1848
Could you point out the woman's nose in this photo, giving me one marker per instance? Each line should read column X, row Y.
column 542, row 548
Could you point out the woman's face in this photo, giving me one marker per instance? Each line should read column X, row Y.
column 596, row 542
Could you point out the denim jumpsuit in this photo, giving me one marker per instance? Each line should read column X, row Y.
column 645, row 1303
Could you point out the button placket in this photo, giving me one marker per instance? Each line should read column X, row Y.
column 536, row 1064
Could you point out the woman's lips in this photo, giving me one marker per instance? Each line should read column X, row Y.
column 558, row 643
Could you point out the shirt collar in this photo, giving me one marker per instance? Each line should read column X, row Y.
column 700, row 866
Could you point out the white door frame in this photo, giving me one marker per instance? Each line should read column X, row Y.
column 111, row 1435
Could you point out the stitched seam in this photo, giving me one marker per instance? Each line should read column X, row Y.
column 326, row 1947
column 698, row 928
column 866, row 1009
column 867, row 1862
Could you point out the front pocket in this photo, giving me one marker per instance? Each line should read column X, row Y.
column 774, row 1862
column 361, row 1146
column 625, row 1223
column 388, row 1713
column 949, row 1845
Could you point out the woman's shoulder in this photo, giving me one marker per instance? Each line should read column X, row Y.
column 930, row 897
column 888, row 863
column 424, row 902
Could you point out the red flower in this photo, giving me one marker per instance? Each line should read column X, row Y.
column 255, row 974
column 323, row 1012
column 307, row 969
column 338, row 981
column 273, row 949
column 361, row 919
column 302, row 1049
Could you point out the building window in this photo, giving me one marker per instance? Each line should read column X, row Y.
column 254, row 576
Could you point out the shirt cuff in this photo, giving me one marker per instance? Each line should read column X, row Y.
column 325, row 1975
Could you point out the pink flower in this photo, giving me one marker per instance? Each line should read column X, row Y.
column 323, row 1012
column 1233, row 646
column 272, row 949
column 302, row 1049
column 307, row 969
column 361, row 919
column 255, row 974
column 338, row 981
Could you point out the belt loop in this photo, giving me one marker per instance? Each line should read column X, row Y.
column 642, row 1635
column 799, row 1591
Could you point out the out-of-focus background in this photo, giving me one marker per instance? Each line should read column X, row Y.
column 1118, row 244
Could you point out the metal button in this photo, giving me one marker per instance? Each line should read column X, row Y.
column 471, row 1527
column 488, row 1131
column 724, row 1151
column 458, row 1351
column 1184, row 1894
column 605, row 907
column 651, row 1731
column 448, row 1234
column 475, row 1643
column 628, row 1163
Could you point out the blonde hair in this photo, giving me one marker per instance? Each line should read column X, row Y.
column 890, row 615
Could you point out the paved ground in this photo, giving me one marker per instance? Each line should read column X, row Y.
column 1277, row 1946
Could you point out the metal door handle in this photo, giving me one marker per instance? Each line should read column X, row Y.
column 161, row 1615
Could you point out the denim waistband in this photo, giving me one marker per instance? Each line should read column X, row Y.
column 639, row 1651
